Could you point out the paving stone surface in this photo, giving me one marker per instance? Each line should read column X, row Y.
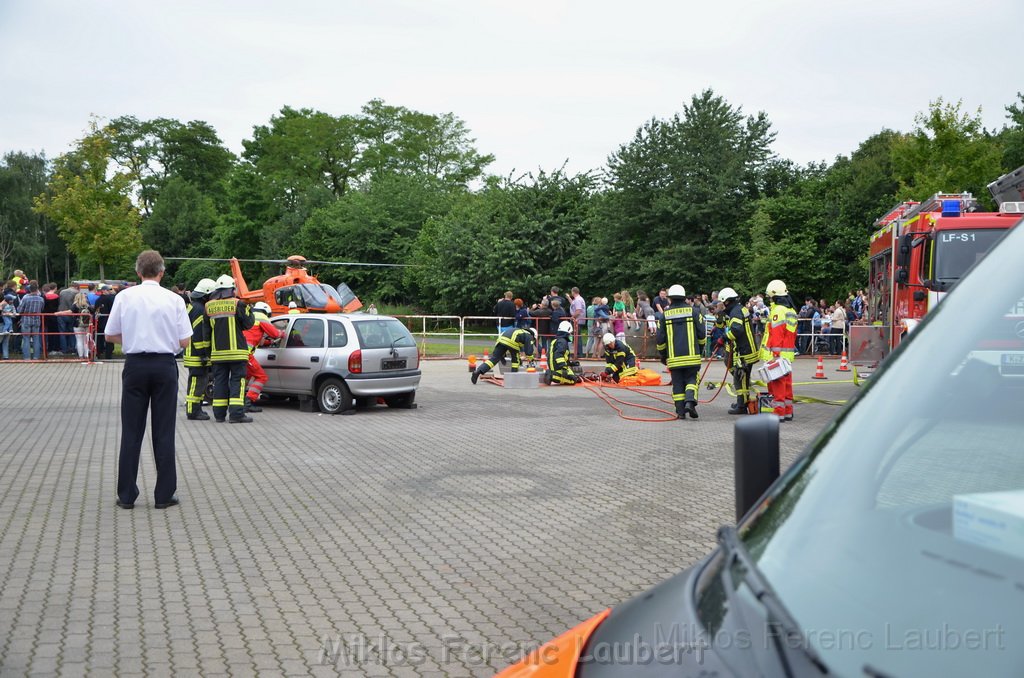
column 440, row 541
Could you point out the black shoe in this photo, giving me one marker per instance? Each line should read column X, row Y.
column 220, row 420
column 788, row 417
column 738, row 409
column 691, row 409
column 198, row 416
column 173, row 501
column 473, row 377
column 121, row 504
column 253, row 407
column 240, row 420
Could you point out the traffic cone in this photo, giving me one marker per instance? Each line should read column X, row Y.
column 819, row 373
column 843, row 365
column 543, row 366
column 472, row 363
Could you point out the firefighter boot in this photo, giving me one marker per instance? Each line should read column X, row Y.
column 739, row 407
column 251, row 406
column 691, row 409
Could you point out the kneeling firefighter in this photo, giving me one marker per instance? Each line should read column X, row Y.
column 780, row 342
column 742, row 348
column 255, row 376
column 681, row 337
column 513, row 342
column 619, row 358
column 197, row 355
column 560, row 361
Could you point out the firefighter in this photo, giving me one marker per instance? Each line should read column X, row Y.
column 560, row 362
column 681, row 337
column 512, row 341
column 197, row 355
column 619, row 358
column 229, row 318
column 780, row 341
column 255, row 376
column 740, row 344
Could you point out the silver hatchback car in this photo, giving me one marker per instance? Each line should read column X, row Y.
column 340, row 360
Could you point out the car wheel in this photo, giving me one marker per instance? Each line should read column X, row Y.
column 333, row 397
column 403, row 400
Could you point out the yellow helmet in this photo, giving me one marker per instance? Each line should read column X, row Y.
column 776, row 288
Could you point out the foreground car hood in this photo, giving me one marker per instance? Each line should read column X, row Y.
column 556, row 658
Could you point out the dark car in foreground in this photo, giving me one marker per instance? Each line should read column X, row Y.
column 338, row 360
column 894, row 546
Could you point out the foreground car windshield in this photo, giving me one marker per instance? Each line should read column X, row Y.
column 897, row 544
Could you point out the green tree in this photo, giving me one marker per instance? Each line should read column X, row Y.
column 523, row 234
column 93, row 211
column 25, row 235
column 1011, row 138
column 948, row 151
column 680, row 195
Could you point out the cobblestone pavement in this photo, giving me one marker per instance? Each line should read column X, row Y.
column 436, row 541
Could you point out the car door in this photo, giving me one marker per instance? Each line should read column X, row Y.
column 269, row 357
column 301, row 355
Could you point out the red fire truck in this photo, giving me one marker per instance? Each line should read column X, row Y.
column 921, row 250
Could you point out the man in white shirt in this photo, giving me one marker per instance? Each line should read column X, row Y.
column 152, row 326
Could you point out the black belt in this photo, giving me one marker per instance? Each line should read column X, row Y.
column 150, row 355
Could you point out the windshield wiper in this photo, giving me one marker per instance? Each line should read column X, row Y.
column 777, row 616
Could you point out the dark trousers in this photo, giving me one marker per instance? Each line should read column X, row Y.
column 197, row 380
column 228, row 389
column 148, row 382
column 684, row 386
column 741, row 383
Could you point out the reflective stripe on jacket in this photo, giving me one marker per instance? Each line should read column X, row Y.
column 780, row 334
column 228, row 318
column 681, row 336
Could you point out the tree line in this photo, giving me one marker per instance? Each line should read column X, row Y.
column 698, row 198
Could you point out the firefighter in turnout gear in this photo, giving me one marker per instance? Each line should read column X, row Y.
column 512, row 342
column 229, row 318
column 619, row 358
column 780, row 342
column 197, row 355
column 742, row 348
column 255, row 376
column 681, row 337
column 560, row 361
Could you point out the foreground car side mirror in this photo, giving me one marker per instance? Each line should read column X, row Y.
column 756, row 459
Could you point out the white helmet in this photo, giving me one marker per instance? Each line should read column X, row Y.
column 225, row 282
column 533, row 330
column 727, row 293
column 565, row 326
column 205, row 286
column 262, row 307
column 676, row 291
column 608, row 339
column 776, row 288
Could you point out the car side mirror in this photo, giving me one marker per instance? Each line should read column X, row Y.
column 756, row 459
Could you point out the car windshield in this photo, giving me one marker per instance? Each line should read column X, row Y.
column 897, row 542
column 957, row 251
column 383, row 333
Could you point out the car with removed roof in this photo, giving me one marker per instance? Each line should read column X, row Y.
column 894, row 546
column 335, row 361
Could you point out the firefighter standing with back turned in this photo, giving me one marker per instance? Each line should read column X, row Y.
column 681, row 337
column 512, row 341
column 229, row 352
column 197, row 355
column 743, row 351
column 255, row 376
column 619, row 358
column 780, row 341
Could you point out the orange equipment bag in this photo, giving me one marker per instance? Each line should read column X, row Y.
column 643, row 377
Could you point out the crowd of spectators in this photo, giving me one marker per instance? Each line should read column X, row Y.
column 42, row 321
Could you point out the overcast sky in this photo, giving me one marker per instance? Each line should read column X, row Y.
column 538, row 83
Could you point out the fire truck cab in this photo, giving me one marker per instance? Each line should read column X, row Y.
column 921, row 250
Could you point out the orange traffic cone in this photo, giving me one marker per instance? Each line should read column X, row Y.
column 472, row 363
column 819, row 373
column 543, row 366
column 843, row 365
